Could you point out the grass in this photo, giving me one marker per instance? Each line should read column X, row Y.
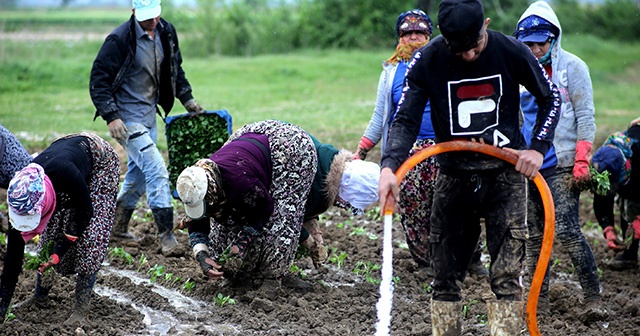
column 330, row 93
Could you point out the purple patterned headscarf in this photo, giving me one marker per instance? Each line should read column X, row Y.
column 26, row 190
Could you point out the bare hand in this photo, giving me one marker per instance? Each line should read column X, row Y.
column 118, row 130
column 388, row 190
column 529, row 161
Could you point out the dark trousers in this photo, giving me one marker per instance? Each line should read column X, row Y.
column 461, row 199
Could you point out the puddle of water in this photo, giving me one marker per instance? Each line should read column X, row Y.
column 161, row 322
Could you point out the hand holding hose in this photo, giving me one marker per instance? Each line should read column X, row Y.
column 388, row 190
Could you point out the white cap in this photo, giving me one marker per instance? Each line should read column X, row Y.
column 192, row 189
column 359, row 183
column 146, row 9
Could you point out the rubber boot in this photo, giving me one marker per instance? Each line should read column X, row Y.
column 40, row 296
column 317, row 250
column 121, row 224
column 446, row 318
column 84, row 289
column 164, row 222
column 506, row 318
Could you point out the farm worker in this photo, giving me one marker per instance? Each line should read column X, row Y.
column 256, row 210
column 472, row 76
column 67, row 195
column 618, row 155
column 339, row 181
column 566, row 164
column 413, row 30
column 138, row 68
column 13, row 157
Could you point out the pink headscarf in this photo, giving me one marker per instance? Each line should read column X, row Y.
column 49, row 205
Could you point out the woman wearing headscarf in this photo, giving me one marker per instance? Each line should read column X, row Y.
column 566, row 164
column 13, row 157
column 413, row 30
column 67, row 196
column 247, row 202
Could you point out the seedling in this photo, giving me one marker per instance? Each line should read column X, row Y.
column 427, row 288
column 3, row 238
column 482, row 319
column 366, row 268
column 297, row 270
column 142, row 261
column 395, row 279
column 119, row 252
column 224, row 257
column 465, row 308
column 403, row 245
column 155, row 272
column 33, row 261
column 359, row 231
column 188, row 285
column 221, row 300
column 600, row 183
column 176, row 280
column 8, row 316
column 337, row 259
column 168, row 277
column 373, row 213
column 344, row 224
column 556, row 262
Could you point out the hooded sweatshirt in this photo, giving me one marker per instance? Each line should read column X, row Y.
column 571, row 75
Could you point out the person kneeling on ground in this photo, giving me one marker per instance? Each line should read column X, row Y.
column 255, row 188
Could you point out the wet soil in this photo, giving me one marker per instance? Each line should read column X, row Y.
column 150, row 295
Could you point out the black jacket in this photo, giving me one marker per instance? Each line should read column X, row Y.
column 115, row 58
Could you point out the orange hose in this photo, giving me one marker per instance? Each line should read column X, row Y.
column 547, row 202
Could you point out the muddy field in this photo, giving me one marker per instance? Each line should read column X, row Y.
column 150, row 294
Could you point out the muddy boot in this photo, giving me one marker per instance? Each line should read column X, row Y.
column 40, row 296
column 594, row 310
column 313, row 228
column 317, row 250
column 623, row 262
column 84, row 288
column 164, row 223
column 121, row 224
column 445, row 318
column 477, row 268
column 505, row 318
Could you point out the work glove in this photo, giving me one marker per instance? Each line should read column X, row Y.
column 636, row 228
column 209, row 267
column 192, row 106
column 239, row 247
column 583, row 157
column 364, row 146
column 54, row 259
column 118, row 130
column 612, row 238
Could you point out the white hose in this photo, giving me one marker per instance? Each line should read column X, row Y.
column 386, row 285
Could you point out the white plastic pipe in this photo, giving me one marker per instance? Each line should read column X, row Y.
column 386, row 285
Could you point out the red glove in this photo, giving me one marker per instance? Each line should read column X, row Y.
column 636, row 228
column 364, row 147
column 53, row 260
column 612, row 238
column 583, row 157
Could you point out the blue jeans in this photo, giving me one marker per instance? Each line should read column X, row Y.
column 567, row 231
column 146, row 170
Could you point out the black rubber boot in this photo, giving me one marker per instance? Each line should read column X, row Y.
column 121, row 224
column 84, row 289
column 40, row 296
column 164, row 222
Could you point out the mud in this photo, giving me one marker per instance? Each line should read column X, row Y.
column 153, row 297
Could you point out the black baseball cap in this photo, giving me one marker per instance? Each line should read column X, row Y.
column 460, row 22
